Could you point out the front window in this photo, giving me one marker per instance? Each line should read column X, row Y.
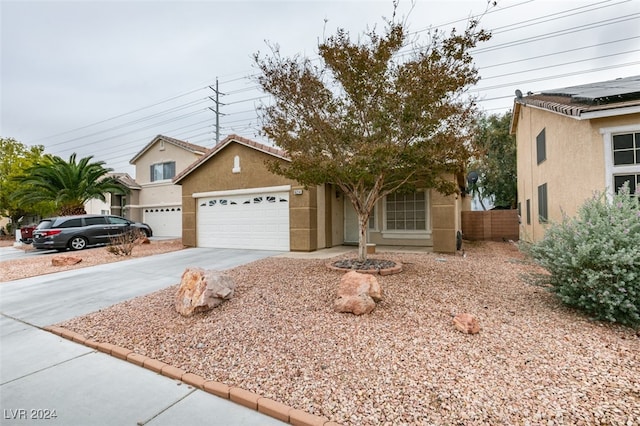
column 163, row 171
column 406, row 212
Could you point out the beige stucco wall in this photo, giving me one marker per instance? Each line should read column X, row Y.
column 96, row 206
column 216, row 174
column 161, row 193
column 574, row 167
column 445, row 221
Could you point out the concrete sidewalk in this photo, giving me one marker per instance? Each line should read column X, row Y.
column 45, row 379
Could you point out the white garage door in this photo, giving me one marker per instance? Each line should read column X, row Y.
column 258, row 220
column 164, row 221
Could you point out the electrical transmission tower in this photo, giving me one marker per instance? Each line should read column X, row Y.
column 216, row 109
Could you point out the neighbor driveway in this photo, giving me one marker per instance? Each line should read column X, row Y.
column 41, row 373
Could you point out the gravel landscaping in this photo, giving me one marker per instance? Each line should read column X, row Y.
column 533, row 362
column 40, row 264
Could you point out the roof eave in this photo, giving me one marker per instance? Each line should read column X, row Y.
column 612, row 112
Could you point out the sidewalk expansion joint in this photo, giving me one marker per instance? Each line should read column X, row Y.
column 144, row 422
column 48, row 367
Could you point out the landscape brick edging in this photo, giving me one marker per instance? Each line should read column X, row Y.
column 240, row 396
column 385, row 271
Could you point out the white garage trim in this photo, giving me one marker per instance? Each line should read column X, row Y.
column 246, row 219
column 280, row 188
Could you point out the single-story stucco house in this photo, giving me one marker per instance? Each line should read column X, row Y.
column 231, row 200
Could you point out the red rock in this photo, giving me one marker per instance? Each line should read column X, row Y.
column 65, row 260
column 358, row 293
column 202, row 290
column 466, row 323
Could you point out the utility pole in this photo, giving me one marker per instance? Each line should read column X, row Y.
column 216, row 100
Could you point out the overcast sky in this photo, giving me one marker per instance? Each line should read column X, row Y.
column 103, row 78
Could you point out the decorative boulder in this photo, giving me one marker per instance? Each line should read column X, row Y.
column 466, row 323
column 358, row 293
column 202, row 290
column 65, row 260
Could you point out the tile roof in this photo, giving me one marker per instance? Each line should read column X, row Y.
column 126, row 180
column 276, row 152
column 196, row 149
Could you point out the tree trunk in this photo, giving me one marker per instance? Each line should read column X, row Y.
column 363, row 222
column 72, row 210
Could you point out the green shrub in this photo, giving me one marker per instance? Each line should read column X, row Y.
column 594, row 258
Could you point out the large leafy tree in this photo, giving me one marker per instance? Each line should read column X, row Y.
column 68, row 184
column 496, row 162
column 15, row 159
column 373, row 119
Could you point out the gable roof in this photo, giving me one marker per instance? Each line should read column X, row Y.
column 270, row 150
column 195, row 149
column 126, row 180
column 587, row 101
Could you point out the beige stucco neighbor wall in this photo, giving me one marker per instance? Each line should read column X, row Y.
column 160, row 193
column 216, row 174
column 573, row 170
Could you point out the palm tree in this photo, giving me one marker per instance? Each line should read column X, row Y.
column 68, row 184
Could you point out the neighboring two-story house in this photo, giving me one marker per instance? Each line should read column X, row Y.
column 571, row 143
column 158, row 201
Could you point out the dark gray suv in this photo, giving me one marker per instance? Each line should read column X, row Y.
column 79, row 232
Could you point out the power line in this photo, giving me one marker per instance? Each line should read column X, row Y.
column 251, row 122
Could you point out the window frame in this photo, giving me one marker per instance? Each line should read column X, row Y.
column 612, row 170
column 166, row 167
column 407, row 233
column 634, row 150
column 543, row 203
column 541, row 146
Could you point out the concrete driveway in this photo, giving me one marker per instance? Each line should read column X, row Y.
column 42, row 375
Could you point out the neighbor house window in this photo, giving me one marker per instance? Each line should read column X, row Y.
column 528, row 212
column 633, row 179
column 541, row 146
column 163, row 171
column 406, row 212
column 543, row 213
column 621, row 157
column 626, row 149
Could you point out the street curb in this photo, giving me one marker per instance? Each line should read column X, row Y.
column 246, row 398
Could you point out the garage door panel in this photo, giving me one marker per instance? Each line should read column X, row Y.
column 164, row 221
column 254, row 221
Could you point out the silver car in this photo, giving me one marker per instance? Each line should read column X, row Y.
column 79, row 232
